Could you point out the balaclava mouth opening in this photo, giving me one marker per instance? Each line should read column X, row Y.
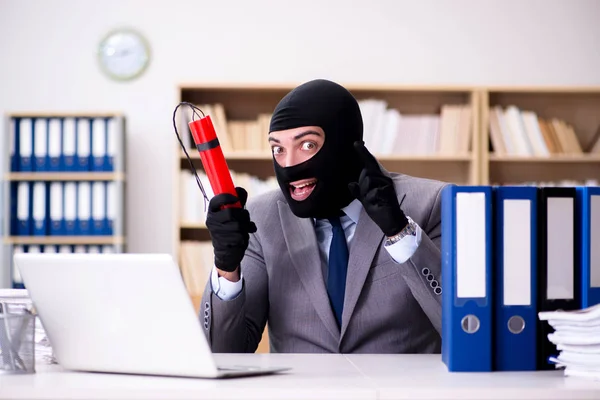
column 334, row 109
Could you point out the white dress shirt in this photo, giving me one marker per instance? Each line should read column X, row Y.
column 400, row 251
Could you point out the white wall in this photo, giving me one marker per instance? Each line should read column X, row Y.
column 47, row 61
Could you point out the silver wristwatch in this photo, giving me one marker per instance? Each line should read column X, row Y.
column 409, row 230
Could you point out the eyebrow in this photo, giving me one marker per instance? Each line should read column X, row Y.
column 298, row 136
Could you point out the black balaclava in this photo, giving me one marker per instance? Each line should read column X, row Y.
column 332, row 108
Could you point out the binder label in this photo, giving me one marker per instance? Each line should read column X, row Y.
column 517, row 253
column 470, row 245
column 594, row 241
column 560, row 233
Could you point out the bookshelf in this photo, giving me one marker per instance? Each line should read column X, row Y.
column 241, row 114
column 543, row 135
column 63, row 185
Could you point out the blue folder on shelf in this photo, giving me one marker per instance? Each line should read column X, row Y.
column 39, row 214
column 25, row 148
column 24, row 209
column 99, row 144
column 14, row 144
column 40, row 144
column 466, row 273
column 55, row 159
column 515, row 277
column 84, row 144
column 69, row 144
column 588, row 224
column 56, row 199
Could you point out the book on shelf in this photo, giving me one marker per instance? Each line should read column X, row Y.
column 192, row 203
column 196, row 262
column 386, row 130
column 517, row 132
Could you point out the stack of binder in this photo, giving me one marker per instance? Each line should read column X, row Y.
column 72, row 208
column 69, row 144
column 509, row 253
column 65, row 184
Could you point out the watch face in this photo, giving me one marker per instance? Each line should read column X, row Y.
column 124, row 54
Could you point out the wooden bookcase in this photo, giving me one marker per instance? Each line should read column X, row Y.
column 577, row 107
column 248, row 102
column 105, row 181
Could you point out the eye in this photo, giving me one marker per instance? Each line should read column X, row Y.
column 309, row 146
column 276, row 150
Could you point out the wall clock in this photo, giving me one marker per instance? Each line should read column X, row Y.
column 124, row 54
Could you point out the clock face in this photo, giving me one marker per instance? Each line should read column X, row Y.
column 124, row 54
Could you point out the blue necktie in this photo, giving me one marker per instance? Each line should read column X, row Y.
column 338, row 266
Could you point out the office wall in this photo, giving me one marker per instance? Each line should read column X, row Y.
column 47, row 61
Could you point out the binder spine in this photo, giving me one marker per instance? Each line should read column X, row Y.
column 466, row 304
column 515, row 277
column 588, row 226
column 557, row 288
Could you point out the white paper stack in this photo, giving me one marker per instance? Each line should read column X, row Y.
column 577, row 338
column 17, row 300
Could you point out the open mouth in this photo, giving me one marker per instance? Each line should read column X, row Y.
column 300, row 190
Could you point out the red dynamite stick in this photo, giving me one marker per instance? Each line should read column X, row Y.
column 212, row 157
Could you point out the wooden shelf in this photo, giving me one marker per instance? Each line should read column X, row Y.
column 192, row 225
column 64, row 176
column 238, row 155
column 575, row 106
column 53, row 114
column 50, row 240
column 566, row 158
column 262, row 156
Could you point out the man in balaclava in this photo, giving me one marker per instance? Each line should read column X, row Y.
column 309, row 257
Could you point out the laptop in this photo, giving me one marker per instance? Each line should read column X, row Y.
column 121, row 313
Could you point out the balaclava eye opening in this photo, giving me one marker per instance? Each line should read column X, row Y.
column 331, row 107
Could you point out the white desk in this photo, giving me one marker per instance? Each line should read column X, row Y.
column 312, row 377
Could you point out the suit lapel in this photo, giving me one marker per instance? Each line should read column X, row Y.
column 301, row 241
column 367, row 239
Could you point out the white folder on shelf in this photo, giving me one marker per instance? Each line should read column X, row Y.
column 50, row 248
column 54, row 145
column 84, row 208
column 98, row 144
column 40, row 144
column 70, row 208
column 57, row 224
column 26, row 145
column 108, row 249
column 39, row 209
column 98, row 208
column 111, row 207
column 69, row 145
column 84, row 145
column 23, row 218
column 17, row 281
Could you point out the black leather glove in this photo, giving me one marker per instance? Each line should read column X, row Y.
column 229, row 229
column 377, row 194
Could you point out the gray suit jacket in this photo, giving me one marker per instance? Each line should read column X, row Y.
column 388, row 307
